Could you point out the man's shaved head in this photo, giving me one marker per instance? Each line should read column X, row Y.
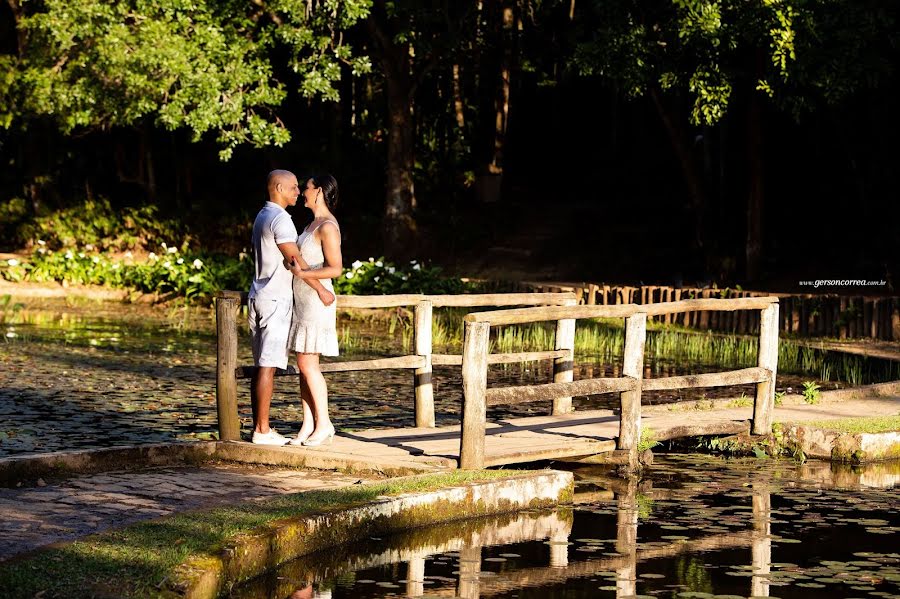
column 283, row 188
column 278, row 176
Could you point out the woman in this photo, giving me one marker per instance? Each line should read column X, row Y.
column 314, row 326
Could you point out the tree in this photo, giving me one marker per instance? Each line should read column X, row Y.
column 692, row 57
column 208, row 67
column 411, row 41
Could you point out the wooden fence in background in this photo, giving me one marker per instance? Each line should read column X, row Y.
column 803, row 315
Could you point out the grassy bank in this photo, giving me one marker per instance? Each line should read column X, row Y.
column 870, row 424
column 135, row 561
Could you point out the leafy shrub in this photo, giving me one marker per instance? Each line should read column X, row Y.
column 191, row 274
column 184, row 274
column 378, row 277
column 96, row 223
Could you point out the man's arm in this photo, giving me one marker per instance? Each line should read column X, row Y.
column 291, row 254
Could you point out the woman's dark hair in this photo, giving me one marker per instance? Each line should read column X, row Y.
column 329, row 187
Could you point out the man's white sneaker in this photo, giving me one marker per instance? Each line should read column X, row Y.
column 269, row 438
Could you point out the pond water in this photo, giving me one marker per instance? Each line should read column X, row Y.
column 693, row 526
column 85, row 374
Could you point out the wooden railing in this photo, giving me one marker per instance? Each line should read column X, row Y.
column 476, row 357
column 800, row 314
column 421, row 361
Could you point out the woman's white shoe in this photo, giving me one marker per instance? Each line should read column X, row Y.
column 322, row 440
column 300, row 438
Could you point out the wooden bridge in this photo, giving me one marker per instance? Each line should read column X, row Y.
column 564, row 433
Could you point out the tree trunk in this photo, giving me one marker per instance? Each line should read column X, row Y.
column 458, row 101
column 692, row 179
column 399, row 226
column 755, row 197
column 490, row 179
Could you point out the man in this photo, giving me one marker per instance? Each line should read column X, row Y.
column 271, row 296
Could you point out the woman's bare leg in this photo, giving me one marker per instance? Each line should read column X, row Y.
column 309, row 421
column 318, row 394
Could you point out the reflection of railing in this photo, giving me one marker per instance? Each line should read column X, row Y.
column 476, row 357
column 421, row 361
column 470, row 538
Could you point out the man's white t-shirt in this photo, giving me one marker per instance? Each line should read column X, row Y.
column 273, row 225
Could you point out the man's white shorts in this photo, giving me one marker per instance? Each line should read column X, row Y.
column 270, row 325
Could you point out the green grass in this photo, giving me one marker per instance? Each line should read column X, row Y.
column 866, row 424
column 134, row 561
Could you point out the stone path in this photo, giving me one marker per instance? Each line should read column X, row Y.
column 72, row 508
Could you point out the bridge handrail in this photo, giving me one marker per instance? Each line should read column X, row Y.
column 421, row 361
column 476, row 357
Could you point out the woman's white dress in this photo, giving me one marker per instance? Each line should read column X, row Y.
column 314, row 325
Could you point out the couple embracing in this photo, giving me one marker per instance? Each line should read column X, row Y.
column 292, row 303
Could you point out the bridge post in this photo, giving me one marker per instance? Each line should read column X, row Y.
column 764, row 404
column 226, row 363
column 474, row 379
column 633, row 366
column 563, row 367
column 422, row 378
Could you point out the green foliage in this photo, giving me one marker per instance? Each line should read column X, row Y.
column 376, row 277
column 13, row 215
column 205, row 66
column 795, row 52
column 184, row 274
column 810, row 392
column 96, row 224
column 648, row 440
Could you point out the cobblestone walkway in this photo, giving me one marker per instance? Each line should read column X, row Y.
column 72, row 508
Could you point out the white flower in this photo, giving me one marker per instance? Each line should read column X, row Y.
column 412, row 261
column 115, row 266
column 41, row 242
column 69, row 255
column 391, row 269
column 129, row 254
column 95, row 259
column 417, row 267
column 379, row 263
column 89, row 247
column 198, row 264
column 153, row 256
column 356, row 264
column 172, row 250
column 349, row 275
column 167, row 264
column 164, row 245
column 376, row 279
column 371, row 259
column 12, row 262
column 81, row 254
column 405, row 277
column 42, row 250
column 180, row 261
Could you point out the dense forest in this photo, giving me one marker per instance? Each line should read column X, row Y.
column 750, row 143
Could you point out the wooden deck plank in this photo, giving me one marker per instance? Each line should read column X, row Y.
column 565, row 436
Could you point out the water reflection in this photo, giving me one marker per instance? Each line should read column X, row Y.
column 691, row 528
